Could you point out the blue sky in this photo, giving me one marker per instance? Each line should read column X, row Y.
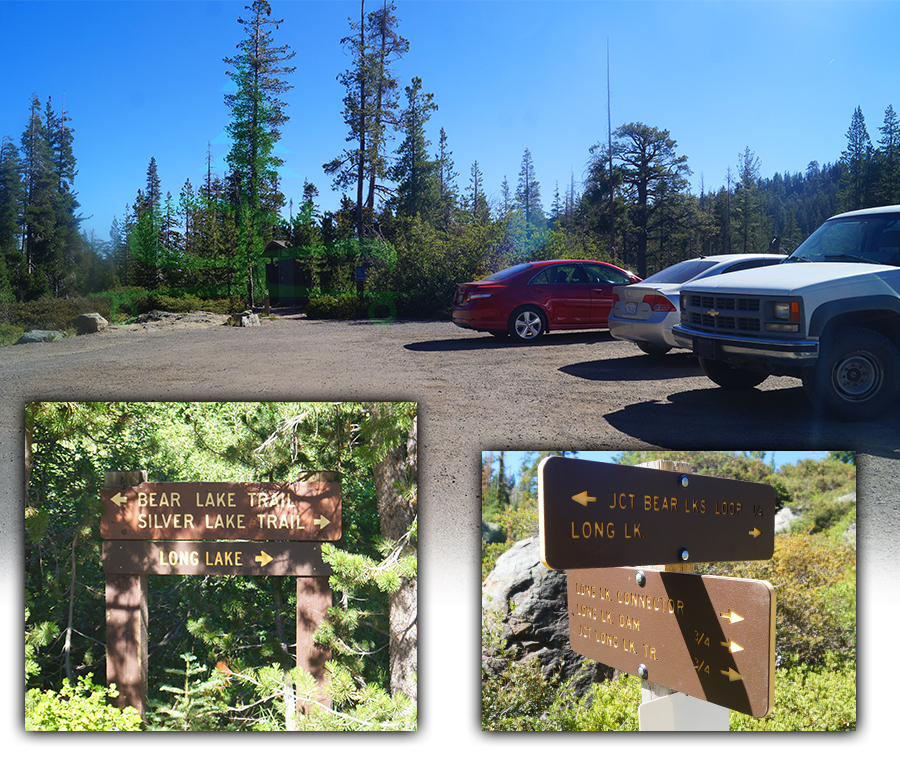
column 146, row 78
column 513, row 459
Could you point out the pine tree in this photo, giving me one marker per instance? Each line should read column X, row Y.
column 447, row 189
column 475, row 202
column 528, row 195
column 368, row 106
column 10, row 231
column 415, row 171
column 747, row 202
column 652, row 175
column 857, row 160
column 38, row 215
column 888, row 157
column 257, row 115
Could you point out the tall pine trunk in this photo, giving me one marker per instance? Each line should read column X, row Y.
column 397, row 515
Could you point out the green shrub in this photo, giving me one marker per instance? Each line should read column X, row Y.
column 49, row 313
column 815, row 589
column 338, row 307
column 610, row 705
column 809, row 698
column 182, row 304
column 80, row 707
column 9, row 334
column 520, row 698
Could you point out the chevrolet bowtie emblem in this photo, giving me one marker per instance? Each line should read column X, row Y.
column 712, row 313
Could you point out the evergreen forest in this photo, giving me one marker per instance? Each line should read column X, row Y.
column 813, row 572
column 417, row 223
column 222, row 648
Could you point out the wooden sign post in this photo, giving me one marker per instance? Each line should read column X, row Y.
column 126, row 621
column 212, row 528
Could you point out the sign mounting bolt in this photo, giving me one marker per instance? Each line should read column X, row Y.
column 684, row 554
column 683, row 481
column 640, row 578
column 642, row 671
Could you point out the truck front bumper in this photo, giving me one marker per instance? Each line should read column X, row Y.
column 733, row 348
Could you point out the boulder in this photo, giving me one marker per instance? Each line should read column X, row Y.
column 784, row 517
column 89, row 323
column 243, row 319
column 531, row 605
column 492, row 533
column 40, row 336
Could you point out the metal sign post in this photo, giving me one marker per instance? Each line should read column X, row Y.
column 628, row 537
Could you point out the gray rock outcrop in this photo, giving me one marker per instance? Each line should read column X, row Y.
column 784, row 517
column 243, row 319
column 40, row 336
column 492, row 533
column 87, row 324
column 530, row 602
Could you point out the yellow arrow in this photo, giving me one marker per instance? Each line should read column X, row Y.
column 322, row 522
column 755, row 532
column 732, row 675
column 732, row 646
column 583, row 498
column 732, row 616
column 263, row 558
column 119, row 499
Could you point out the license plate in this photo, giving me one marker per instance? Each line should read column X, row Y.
column 630, row 309
column 705, row 349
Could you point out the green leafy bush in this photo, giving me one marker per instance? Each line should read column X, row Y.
column 610, row 705
column 9, row 334
column 51, row 313
column 80, row 707
column 338, row 307
column 182, row 304
column 520, row 698
column 809, row 698
column 815, row 588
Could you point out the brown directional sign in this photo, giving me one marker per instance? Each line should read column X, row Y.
column 712, row 638
column 594, row 514
column 172, row 557
column 222, row 511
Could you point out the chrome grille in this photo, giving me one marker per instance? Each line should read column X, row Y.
column 732, row 314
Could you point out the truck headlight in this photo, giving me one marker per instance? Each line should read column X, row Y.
column 782, row 311
column 786, row 316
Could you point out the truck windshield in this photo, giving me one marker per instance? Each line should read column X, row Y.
column 870, row 239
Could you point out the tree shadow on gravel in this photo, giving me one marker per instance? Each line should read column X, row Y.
column 758, row 419
column 482, row 341
column 636, row 368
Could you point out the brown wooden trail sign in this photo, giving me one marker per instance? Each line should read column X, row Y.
column 144, row 523
column 712, row 638
column 308, row 511
column 594, row 514
column 179, row 557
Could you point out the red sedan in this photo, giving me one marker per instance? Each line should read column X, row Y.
column 527, row 300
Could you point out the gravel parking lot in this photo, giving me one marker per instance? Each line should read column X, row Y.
column 576, row 390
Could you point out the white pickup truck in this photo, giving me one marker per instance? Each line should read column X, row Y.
column 829, row 314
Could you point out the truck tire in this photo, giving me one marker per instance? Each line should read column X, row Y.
column 857, row 375
column 730, row 377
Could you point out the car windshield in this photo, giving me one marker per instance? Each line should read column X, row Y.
column 507, row 273
column 870, row 239
column 679, row 273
